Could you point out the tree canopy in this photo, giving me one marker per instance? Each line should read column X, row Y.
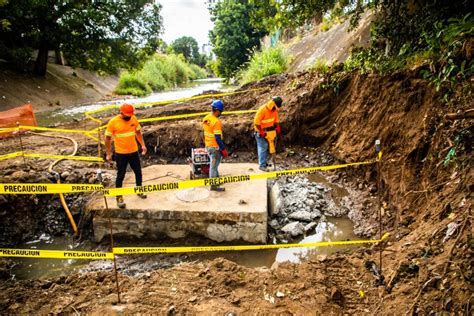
column 99, row 35
column 234, row 36
column 187, row 46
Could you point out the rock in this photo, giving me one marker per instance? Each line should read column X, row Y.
column 373, row 189
column 274, row 266
column 294, row 229
column 315, row 213
column 361, row 186
column 301, row 216
column 274, row 224
column 65, row 174
column 279, row 294
column 171, row 310
column 20, row 175
column 192, row 299
column 310, row 227
column 319, row 187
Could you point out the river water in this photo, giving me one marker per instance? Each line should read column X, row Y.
column 76, row 112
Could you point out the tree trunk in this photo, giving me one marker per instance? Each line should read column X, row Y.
column 41, row 60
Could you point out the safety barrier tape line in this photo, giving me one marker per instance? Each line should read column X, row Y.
column 47, row 188
column 11, row 155
column 90, row 255
column 23, row 154
column 148, row 250
column 177, row 185
column 8, row 129
column 180, row 116
column 56, row 254
column 114, row 106
column 41, row 128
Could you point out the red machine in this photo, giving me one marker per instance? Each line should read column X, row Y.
column 199, row 163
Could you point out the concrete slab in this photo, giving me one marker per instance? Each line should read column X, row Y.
column 239, row 213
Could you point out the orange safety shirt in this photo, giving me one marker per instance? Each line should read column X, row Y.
column 124, row 134
column 212, row 126
column 265, row 117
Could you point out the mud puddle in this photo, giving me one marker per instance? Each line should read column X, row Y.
column 25, row 268
column 33, row 268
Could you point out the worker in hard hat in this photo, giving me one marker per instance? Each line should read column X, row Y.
column 214, row 141
column 266, row 119
column 125, row 131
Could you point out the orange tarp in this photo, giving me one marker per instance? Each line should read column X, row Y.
column 23, row 114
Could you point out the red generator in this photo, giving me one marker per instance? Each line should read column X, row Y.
column 199, row 163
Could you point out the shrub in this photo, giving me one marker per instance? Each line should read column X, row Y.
column 269, row 61
column 158, row 73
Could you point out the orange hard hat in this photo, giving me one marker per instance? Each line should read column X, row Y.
column 127, row 109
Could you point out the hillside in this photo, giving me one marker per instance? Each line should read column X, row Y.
column 61, row 87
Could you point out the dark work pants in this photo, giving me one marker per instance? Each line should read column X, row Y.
column 122, row 161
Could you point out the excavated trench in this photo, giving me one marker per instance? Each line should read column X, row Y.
column 318, row 207
column 45, row 225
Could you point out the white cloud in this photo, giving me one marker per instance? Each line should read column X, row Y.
column 186, row 18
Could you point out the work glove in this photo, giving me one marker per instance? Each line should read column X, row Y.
column 278, row 129
column 225, row 153
column 262, row 133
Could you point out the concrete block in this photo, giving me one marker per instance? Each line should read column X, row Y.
column 239, row 213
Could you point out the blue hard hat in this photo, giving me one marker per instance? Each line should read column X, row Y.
column 218, row 105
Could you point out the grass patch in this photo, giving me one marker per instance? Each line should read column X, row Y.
column 160, row 72
column 269, row 61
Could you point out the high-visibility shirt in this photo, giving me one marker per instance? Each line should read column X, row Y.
column 265, row 117
column 123, row 133
column 212, row 126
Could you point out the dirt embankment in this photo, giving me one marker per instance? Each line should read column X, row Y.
column 61, row 87
column 426, row 180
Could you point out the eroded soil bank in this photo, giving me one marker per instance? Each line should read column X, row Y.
column 424, row 190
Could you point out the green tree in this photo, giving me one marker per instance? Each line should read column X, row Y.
column 187, row 46
column 233, row 36
column 100, row 35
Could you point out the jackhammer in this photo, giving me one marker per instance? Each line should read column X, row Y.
column 271, row 138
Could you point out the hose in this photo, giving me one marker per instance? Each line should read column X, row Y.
column 50, row 170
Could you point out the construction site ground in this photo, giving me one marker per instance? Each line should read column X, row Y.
column 425, row 194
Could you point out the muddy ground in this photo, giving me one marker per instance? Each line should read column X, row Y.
column 425, row 179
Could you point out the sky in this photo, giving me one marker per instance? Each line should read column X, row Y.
column 186, row 18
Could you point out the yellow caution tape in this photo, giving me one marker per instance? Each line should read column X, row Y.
column 80, row 158
column 9, row 129
column 181, row 116
column 147, row 250
column 40, row 128
column 11, row 155
column 91, row 255
column 47, row 188
column 58, row 254
column 23, row 154
column 49, row 129
column 177, row 185
column 116, row 106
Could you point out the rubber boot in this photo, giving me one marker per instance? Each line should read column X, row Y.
column 217, row 188
column 120, row 202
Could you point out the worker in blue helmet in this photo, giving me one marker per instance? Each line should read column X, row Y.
column 213, row 139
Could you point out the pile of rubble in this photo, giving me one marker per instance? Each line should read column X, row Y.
column 297, row 205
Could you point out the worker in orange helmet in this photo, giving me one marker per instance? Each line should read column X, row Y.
column 125, row 131
column 213, row 140
column 266, row 119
